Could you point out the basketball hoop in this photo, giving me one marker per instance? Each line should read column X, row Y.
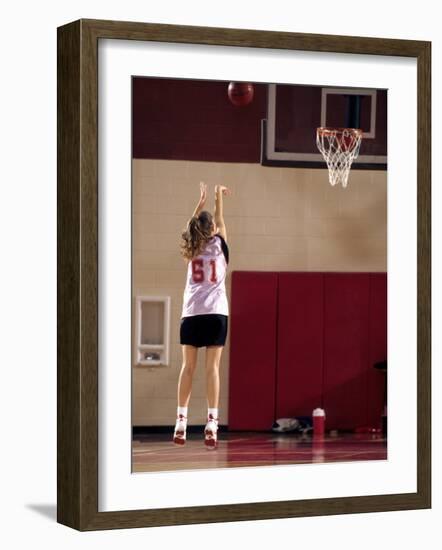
column 339, row 147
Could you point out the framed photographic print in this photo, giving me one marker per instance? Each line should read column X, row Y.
column 243, row 256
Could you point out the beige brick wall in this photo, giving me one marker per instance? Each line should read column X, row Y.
column 277, row 219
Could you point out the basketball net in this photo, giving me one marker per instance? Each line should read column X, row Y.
column 339, row 147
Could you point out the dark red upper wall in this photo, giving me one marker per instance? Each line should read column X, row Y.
column 194, row 120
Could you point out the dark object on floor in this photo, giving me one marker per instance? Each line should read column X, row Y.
column 382, row 366
column 384, row 425
column 299, row 425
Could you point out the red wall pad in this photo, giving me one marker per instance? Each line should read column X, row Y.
column 378, row 347
column 346, row 349
column 300, row 344
column 252, row 350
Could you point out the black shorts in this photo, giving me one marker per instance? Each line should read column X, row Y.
column 204, row 330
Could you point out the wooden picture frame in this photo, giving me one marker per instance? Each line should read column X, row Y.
column 77, row 310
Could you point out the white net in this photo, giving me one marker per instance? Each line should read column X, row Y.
column 339, row 147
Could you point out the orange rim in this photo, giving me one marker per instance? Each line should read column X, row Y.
column 328, row 131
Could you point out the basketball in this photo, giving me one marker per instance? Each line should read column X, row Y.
column 240, row 93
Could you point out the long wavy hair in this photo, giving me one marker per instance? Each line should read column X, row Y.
column 198, row 231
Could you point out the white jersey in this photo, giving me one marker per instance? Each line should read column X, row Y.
column 205, row 290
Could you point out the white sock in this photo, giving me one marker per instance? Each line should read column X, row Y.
column 182, row 410
column 213, row 412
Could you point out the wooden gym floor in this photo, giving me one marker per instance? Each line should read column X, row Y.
column 156, row 452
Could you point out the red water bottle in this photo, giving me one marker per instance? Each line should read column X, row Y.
column 318, row 422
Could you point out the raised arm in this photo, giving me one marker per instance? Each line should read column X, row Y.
column 220, row 190
column 202, row 201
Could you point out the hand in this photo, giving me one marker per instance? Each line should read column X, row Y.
column 222, row 189
column 203, row 194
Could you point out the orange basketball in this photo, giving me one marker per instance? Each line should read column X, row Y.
column 240, row 93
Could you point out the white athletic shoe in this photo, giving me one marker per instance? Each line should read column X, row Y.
column 179, row 435
column 210, row 433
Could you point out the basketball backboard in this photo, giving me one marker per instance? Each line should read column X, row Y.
column 295, row 112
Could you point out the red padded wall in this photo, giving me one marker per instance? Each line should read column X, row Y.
column 252, row 371
column 378, row 346
column 300, row 344
column 346, row 349
column 303, row 340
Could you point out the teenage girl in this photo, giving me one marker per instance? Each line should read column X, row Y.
column 205, row 309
